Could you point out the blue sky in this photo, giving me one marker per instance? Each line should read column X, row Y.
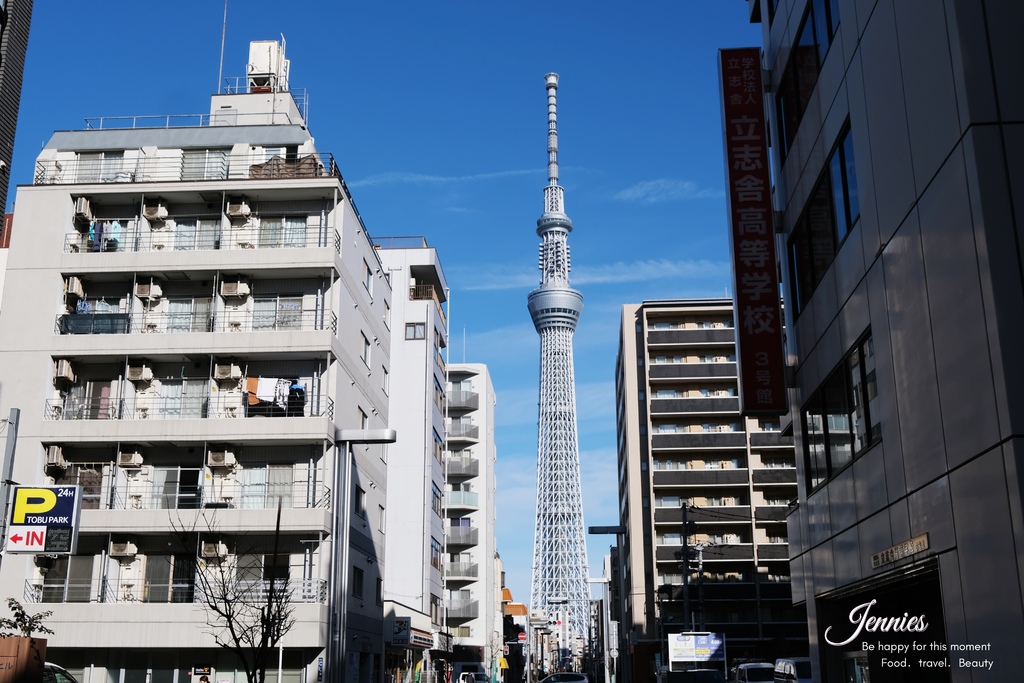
column 436, row 114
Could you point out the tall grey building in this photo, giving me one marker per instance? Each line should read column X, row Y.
column 897, row 138
column 703, row 492
column 195, row 333
column 15, row 19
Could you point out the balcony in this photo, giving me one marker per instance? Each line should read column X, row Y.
column 686, row 406
column 697, row 477
column 463, row 400
column 699, row 440
column 691, row 370
column 147, row 591
column 172, row 166
column 138, row 238
column 462, row 535
column 299, row 320
column 427, row 293
column 149, row 488
column 722, row 335
column 462, row 430
column 770, row 440
column 462, row 499
column 463, row 466
column 462, row 570
column 463, row 609
column 775, row 475
column 216, row 405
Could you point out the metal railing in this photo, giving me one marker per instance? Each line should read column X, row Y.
column 139, row 239
column 172, row 166
column 223, row 405
column 464, row 609
column 301, row 320
column 306, row 591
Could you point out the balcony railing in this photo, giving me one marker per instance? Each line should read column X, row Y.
column 463, row 609
column 462, row 535
column 138, row 239
column 462, row 499
column 134, row 590
column 218, row 405
column 302, row 320
column 464, row 400
column 463, row 430
column 172, row 166
column 427, row 292
column 463, row 467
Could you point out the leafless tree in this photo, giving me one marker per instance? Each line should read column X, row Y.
column 246, row 616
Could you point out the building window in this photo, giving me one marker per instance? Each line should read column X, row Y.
column 831, row 212
column 356, row 581
column 814, row 37
column 438, row 447
column 379, row 594
column 364, row 420
column 840, row 421
column 387, row 315
column 367, row 278
column 384, row 379
column 381, row 518
column 435, row 553
column 366, row 350
column 435, row 499
column 359, row 502
column 277, row 313
column 415, row 331
column 435, row 609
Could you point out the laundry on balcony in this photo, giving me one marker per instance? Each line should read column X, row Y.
column 275, row 397
column 105, row 235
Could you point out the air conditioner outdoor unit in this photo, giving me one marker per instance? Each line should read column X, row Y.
column 238, row 210
column 214, row 549
column 62, row 370
column 126, row 549
column 73, row 287
column 129, row 459
column 82, row 209
column 239, row 289
column 227, row 371
column 55, row 457
column 140, row 373
column 148, row 290
column 155, row 212
column 220, row 459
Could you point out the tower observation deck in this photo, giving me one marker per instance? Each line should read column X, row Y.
column 560, row 566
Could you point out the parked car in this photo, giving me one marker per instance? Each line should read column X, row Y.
column 56, row 674
column 753, row 671
column 793, row 670
column 566, row 677
column 696, row 676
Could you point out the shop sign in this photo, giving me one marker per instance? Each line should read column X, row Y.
column 917, row 544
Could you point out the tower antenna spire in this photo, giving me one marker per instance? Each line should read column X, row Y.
column 560, row 565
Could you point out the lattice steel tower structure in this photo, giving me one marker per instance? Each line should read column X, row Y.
column 559, row 546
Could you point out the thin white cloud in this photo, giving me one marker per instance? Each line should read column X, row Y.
column 402, row 178
column 495, row 277
column 666, row 190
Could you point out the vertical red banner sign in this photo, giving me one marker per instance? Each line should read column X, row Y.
column 751, row 236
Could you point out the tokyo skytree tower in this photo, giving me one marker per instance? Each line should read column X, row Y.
column 560, row 566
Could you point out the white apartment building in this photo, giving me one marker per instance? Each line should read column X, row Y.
column 471, row 578
column 413, row 583
column 192, row 311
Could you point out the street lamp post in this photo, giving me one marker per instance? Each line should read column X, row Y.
column 337, row 647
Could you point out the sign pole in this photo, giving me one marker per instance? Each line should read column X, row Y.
column 5, row 483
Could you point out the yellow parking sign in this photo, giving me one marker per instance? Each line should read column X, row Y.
column 44, row 519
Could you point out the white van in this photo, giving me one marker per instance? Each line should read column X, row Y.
column 793, row 670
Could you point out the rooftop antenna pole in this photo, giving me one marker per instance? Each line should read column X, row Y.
column 223, row 32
